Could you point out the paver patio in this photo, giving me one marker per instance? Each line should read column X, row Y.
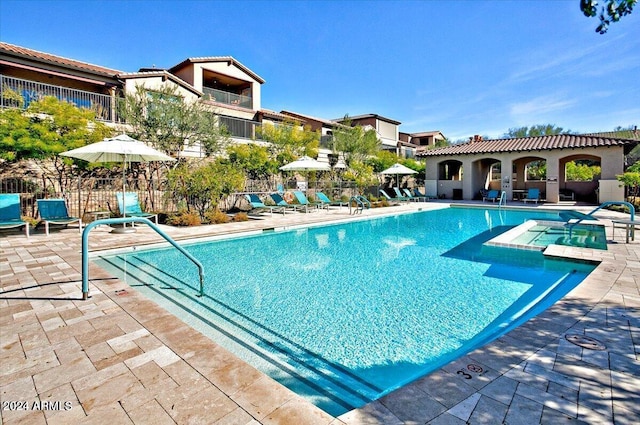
column 119, row 358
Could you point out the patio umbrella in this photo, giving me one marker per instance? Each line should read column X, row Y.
column 306, row 164
column 121, row 148
column 398, row 169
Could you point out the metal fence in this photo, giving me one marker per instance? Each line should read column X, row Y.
column 85, row 195
column 103, row 105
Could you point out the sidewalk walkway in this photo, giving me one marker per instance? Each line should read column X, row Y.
column 119, row 358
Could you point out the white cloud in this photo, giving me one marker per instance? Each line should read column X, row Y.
column 539, row 107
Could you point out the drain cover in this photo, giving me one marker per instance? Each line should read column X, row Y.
column 585, row 342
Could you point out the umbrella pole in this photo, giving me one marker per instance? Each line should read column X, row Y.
column 124, row 228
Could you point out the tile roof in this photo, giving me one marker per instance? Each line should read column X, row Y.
column 11, row 49
column 229, row 59
column 527, row 144
column 309, row 117
column 625, row 134
column 278, row 115
column 360, row 117
column 160, row 73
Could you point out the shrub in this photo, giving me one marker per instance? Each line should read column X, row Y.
column 241, row 216
column 216, row 217
column 184, row 218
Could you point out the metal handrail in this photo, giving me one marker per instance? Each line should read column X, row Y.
column 632, row 209
column 503, row 199
column 361, row 203
column 85, row 248
column 632, row 213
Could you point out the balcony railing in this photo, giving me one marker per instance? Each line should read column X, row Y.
column 227, row 98
column 29, row 91
column 239, row 128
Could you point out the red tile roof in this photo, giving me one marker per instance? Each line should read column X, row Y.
column 13, row 50
column 160, row 73
column 527, row 144
column 229, row 59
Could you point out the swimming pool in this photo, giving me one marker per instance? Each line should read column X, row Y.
column 344, row 314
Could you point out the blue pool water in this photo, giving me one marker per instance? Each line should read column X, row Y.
column 343, row 314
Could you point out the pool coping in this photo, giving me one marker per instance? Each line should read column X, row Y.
column 441, row 396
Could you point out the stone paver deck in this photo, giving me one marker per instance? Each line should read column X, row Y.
column 119, row 358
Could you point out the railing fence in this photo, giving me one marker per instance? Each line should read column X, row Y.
column 84, row 195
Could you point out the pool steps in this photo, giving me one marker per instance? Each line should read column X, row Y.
column 124, row 220
column 320, row 376
column 513, row 238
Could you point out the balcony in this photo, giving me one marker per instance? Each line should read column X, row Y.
column 103, row 105
column 227, row 98
column 239, row 128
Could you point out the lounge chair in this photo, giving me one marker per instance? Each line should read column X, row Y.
column 492, row 195
column 302, row 200
column 389, row 198
column 419, row 194
column 324, row 200
column 259, row 206
column 413, row 197
column 400, row 196
column 10, row 212
column 130, row 206
column 281, row 202
column 567, row 195
column 54, row 211
column 533, row 195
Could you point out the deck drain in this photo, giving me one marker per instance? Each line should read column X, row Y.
column 585, row 342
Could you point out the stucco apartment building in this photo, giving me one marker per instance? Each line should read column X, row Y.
column 229, row 88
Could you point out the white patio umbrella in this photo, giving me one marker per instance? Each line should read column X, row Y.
column 306, row 164
column 121, row 148
column 398, row 169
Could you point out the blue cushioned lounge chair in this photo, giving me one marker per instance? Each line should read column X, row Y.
column 533, row 195
column 302, row 200
column 129, row 206
column 54, row 211
column 10, row 212
column 492, row 195
column 389, row 198
column 419, row 194
column 325, row 201
column 259, row 206
column 399, row 195
column 281, row 202
column 413, row 197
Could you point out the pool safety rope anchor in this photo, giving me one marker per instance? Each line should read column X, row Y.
column 85, row 249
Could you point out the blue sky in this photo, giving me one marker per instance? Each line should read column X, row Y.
column 461, row 67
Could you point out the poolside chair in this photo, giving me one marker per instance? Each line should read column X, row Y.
column 492, row 195
column 399, row 195
column 533, row 195
column 419, row 194
column 302, row 200
column 324, row 199
column 54, row 211
column 413, row 197
column 281, row 202
column 129, row 206
column 389, row 198
column 259, row 206
column 10, row 212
